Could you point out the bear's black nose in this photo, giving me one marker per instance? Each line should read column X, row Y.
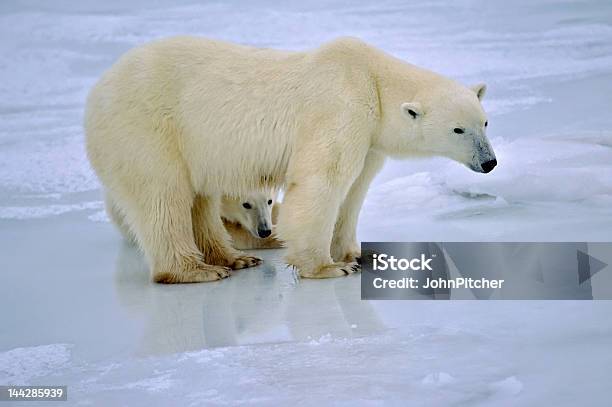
column 488, row 166
column 264, row 232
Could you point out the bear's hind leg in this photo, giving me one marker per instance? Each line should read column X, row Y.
column 118, row 218
column 213, row 239
column 161, row 221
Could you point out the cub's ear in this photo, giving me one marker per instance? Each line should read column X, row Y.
column 412, row 110
column 480, row 90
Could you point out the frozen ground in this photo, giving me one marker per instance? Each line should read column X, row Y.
column 78, row 308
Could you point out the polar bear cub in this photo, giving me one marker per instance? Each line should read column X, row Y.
column 251, row 221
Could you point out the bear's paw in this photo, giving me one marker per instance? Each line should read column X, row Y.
column 332, row 270
column 203, row 273
column 243, row 261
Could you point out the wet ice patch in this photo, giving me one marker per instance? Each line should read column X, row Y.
column 19, row 366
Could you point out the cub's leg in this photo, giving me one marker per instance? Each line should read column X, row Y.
column 212, row 238
column 159, row 213
column 344, row 245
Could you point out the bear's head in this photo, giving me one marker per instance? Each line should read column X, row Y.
column 253, row 212
column 447, row 121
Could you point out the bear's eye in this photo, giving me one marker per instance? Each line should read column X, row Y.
column 412, row 113
column 269, row 202
column 486, row 123
column 458, row 130
column 246, row 205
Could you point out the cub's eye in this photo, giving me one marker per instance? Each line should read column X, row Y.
column 269, row 202
column 458, row 130
column 486, row 123
column 246, row 205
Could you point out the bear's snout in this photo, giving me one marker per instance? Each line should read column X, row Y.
column 263, row 233
column 488, row 166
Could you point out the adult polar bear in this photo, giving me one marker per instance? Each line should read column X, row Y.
column 176, row 124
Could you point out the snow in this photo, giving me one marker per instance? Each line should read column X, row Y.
column 19, row 366
column 562, row 182
column 32, row 212
column 79, row 307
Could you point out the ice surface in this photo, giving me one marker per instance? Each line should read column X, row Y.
column 262, row 337
column 78, row 307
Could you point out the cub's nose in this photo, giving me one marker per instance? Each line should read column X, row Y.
column 488, row 166
column 264, row 232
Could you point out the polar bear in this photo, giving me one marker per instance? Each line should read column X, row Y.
column 178, row 123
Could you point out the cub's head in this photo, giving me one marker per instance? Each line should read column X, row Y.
column 445, row 121
column 253, row 212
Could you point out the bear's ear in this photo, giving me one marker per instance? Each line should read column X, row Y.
column 412, row 110
column 480, row 90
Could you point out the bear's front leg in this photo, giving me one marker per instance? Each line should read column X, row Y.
column 345, row 246
column 306, row 223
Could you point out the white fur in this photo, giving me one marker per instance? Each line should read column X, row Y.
column 176, row 124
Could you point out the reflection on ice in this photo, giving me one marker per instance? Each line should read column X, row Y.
column 261, row 305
